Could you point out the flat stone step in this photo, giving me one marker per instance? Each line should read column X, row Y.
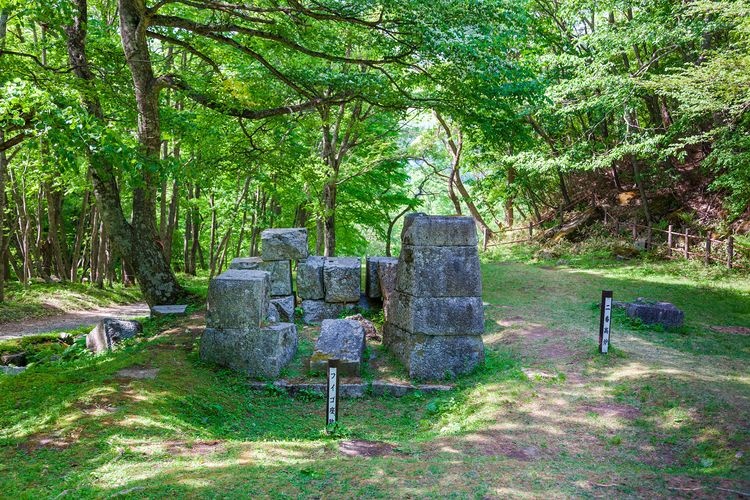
column 169, row 310
column 377, row 388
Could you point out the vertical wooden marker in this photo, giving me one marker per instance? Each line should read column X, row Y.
column 332, row 392
column 605, row 321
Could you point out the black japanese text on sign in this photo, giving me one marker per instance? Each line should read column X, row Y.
column 605, row 321
column 332, row 393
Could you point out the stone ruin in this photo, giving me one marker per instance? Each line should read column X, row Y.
column 435, row 317
column 431, row 297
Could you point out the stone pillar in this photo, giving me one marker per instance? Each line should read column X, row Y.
column 238, row 333
column 435, row 317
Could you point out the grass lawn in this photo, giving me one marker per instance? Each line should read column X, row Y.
column 664, row 414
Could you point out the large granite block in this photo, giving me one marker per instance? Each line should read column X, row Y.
column 341, row 279
column 256, row 352
column 238, row 299
column 281, row 276
column 438, row 230
column 341, row 339
column 652, row 312
column 439, row 271
column 110, row 332
column 246, row 263
column 438, row 357
column 284, row 244
column 437, row 315
column 315, row 311
column 310, row 278
column 372, row 283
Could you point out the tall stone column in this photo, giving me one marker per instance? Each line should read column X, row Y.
column 435, row 317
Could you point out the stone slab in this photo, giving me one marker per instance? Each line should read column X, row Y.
column 372, row 283
column 284, row 307
column 437, row 315
column 341, row 279
column 387, row 275
column 438, row 230
column 110, row 332
column 439, row 271
column 652, row 312
column 169, row 310
column 238, row 299
column 356, row 390
column 284, row 244
column 281, row 276
column 246, row 263
column 310, row 278
column 258, row 353
column 341, row 339
column 12, row 370
column 315, row 311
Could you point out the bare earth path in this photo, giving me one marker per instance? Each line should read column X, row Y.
column 71, row 320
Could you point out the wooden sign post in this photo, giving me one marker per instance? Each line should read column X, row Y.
column 605, row 321
column 332, row 392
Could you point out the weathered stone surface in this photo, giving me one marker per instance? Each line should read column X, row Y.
column 439, row 271
column 273, row 314
column 238, row 299
column 372, row 283
column 12, row 370
column 663, row 313
column 284, row 244
column 341, row 279
column 377, row 388
column 438, row 230
column 15, row 359
column 281, row 276
column 341, row 339
column 256, row 352
column 109, row 332
column 310, row 278
column 437, row 315
column 371, row 332
column 387, row 275
column 284, row 307
column 246, row 263
column 315, row 311
column 169, row 310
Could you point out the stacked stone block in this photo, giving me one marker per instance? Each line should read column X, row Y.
column 328, row 286
column 238, row 333
column 435, row 317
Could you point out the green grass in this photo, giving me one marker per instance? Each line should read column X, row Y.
column 46, row 299
column 546, row 416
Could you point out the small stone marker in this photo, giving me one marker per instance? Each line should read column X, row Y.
column 169, row 310
column 332, row 392
column 605, row 321
column 652, row 312
column 109, row 332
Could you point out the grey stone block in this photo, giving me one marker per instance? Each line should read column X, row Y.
column 110, row 332
column 437, row 315
column 246, row 263
column 341, row 279
column 387, row 276
column 372, row 283
column 15, row 359
column 310, row 278
column 256, row 352
column 169, row 310
column 438, row 357
column 341, row 339
column 439, row 271
column 662, row 313
column 315, row 311
column 12, row 370
column 273, row 314
column 438, row 230
column 281, row 276
column 284, row 244
column 238, row 299
column 284, row 307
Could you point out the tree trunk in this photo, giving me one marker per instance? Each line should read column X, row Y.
column 329, row 219
column 3, row 162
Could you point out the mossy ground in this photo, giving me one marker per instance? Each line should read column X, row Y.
column 664, row 414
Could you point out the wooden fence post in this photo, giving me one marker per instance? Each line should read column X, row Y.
column 730, row 251
column 669, row 240
column 687, row 243
column 531, row 231
column 707, row 257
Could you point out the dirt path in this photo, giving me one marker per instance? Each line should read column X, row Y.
column 71, row 320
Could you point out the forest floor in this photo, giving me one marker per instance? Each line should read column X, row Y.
column 664, row 414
